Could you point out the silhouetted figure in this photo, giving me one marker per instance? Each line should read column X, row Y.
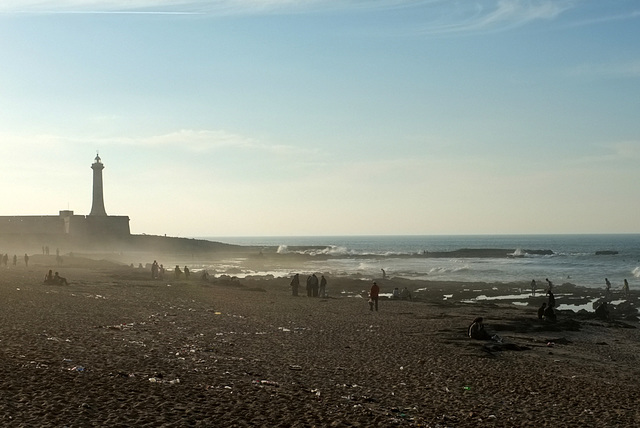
column 384, row 274
column 295, row 284
column 549, row 284
column 5, row 260
column 15, row 260
column 373, row 296
column 541, row 310
column 476, row 330
column 602, row 311
column 309, row 286
column 625, row 288
column 314, row 285
column 48, row 278
column 533, row 287
column 161, row 272
column 550, row 314
column 323, row 286
column 177, row 272
column 204, row 275
column 154, row 270
column 405, row 294
column 57, row 279
column 26, row 259
column 186, row 272
column 552, row 299
column 396, row 293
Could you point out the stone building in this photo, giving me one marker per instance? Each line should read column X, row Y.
column 67, row 225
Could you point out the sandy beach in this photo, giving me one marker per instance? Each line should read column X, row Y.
column 116, row 348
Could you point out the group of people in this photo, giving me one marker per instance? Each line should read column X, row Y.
column 315, row 287
column 158, row 271
column 625, row 287
column 178, row 273
column 405, row 294
column 4, row 260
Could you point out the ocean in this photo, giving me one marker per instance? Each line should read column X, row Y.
column 573, row 257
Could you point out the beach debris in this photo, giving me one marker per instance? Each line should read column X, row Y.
column 78, row 369
column 263, row 383
column 159, row 379
column 295, row 367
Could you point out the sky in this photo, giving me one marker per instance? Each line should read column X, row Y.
column 325, row 117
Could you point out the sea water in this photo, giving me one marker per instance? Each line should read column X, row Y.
column 573, row 260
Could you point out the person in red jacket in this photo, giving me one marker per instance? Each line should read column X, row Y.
column 373, row 296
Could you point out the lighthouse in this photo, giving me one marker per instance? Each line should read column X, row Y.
column 97, row 207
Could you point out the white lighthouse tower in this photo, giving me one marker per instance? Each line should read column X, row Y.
column 97, row 207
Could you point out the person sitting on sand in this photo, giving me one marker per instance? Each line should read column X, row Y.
column 541, row 310
column 602, row 311
column 396, row 293
column 48, row 278
column 550, row 314
column 204, row 275
column 476, row 330
column 57, row 279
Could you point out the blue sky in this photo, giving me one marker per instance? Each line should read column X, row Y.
column 325, row 117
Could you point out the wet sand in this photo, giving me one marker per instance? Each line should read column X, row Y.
column 116, row 348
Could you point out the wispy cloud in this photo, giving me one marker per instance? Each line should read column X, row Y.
column 465, row 15
column 197, row 141
column 629, row 69
column 491, row 15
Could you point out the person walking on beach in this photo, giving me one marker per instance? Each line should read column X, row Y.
column 295, row 284
column 26, row 259
column 323, row 286
column 187, row 273
column 625, row 288
column 533, row 287
column 177, row 272
column 608, row 285
column 476, row 330
column 373, row 296
column 549, row 284
column 541, row 310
